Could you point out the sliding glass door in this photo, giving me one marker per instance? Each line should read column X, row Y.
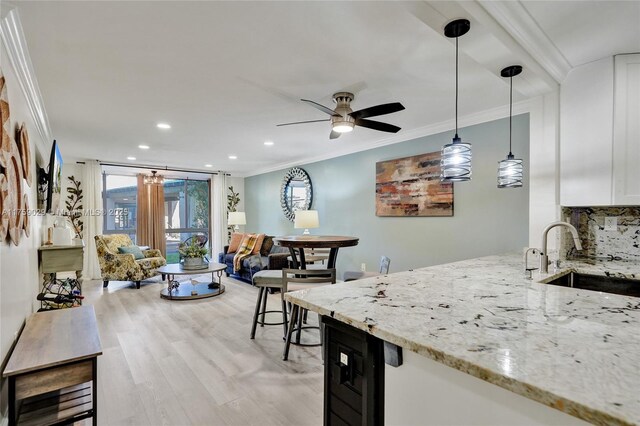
column 119, row 199
column 186, row 212
column 186, row 209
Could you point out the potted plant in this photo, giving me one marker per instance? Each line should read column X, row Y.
column 193, row 254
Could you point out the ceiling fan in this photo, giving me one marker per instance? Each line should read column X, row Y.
column 343, row 118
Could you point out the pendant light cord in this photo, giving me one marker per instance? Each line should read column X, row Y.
column 510, row 110
column 456, row 87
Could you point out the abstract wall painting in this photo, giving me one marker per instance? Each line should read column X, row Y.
column 411, row 186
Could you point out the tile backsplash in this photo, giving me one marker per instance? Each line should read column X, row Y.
column 623, row 243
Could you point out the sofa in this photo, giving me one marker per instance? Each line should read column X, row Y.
column 271, row 256
column 115, row 266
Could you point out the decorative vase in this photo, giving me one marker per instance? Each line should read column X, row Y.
column 193, row 262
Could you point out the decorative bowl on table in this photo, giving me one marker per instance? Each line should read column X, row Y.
column 189, row 263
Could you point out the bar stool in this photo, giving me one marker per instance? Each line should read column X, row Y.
column 300, row 279
column 264, row 280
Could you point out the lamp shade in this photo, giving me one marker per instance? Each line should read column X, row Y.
column 237, row 218
column 510, row 172
column 455, row 162
column 306, row 219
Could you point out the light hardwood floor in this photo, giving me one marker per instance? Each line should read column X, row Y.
column 192, row 362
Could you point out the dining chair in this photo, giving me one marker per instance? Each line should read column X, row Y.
column 301, row 279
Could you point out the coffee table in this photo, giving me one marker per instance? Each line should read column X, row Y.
column 188, row 291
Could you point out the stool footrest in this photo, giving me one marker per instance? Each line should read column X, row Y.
column 269, row 323
column 306, row 327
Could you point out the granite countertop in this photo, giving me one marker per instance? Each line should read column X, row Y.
column 575, row 350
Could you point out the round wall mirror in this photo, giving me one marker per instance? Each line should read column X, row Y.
column 296, row 192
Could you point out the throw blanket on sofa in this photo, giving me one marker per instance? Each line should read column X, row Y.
column 246, row 248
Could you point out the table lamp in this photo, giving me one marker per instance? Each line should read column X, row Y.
column 306, row 219
column 237, row 219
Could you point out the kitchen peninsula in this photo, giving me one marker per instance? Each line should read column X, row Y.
column 574, row 350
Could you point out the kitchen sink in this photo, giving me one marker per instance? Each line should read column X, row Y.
column 614, row 285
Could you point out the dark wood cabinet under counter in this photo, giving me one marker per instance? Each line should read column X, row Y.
column 353, row 376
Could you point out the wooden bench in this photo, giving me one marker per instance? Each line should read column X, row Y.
column 52, row 371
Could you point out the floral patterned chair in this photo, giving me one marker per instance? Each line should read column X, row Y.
column 124, row 267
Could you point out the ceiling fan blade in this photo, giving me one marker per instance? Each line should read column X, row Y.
column 320, row 107
column 334, row 135
column 377, row 110
column 377, row 125
column 302, row 122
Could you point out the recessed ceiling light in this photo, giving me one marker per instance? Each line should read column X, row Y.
column 131, row 158
column 163, row 125
column 268, row 143
column 143, row 146
column 125, row 199
column 233, row 157
column 208, row 165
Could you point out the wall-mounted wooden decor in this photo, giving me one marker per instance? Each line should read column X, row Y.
column 5, row 202
column 4, row 119
column 25, row 153
column 411, row 186
column 13, row 172
column 15, row 165
column 4, row 214
column 26, row 219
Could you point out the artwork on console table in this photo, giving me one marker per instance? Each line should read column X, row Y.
column 411, row 186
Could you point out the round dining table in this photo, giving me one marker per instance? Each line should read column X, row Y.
column 300, row 242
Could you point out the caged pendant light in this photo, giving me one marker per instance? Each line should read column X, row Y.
column 455, row 163
column 510, row 169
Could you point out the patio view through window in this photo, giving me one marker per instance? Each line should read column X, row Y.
column 186, row 209
column 120, row 200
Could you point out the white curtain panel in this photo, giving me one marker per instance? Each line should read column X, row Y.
column 92, row 182
column 218, row 213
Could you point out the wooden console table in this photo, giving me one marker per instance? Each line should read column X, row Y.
column 52, row 371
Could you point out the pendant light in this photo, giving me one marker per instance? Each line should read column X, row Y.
column 455, row 163
column 510, row 170
column 154, row 179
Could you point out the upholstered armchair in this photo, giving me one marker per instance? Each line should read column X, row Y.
column 118, row 266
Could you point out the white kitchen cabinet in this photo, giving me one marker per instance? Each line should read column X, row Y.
column 586, row 132
column 599, row 133
column 626, row 131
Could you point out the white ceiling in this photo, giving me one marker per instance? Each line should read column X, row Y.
column 587, row 31
column 223, row 74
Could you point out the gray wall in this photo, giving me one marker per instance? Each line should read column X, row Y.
column 486, row 220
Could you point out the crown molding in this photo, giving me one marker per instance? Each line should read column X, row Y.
column 16, row 46
column 517, row 21
column 432, row 129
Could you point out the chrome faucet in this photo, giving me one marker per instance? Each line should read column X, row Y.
column 528, row 272
column 544, row 258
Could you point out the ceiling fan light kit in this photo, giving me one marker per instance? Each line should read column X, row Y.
column 510, row 170
column 341, row 121
column 344, row 119
column 455, row 164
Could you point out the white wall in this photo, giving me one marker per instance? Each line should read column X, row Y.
column 544, row 148
column 19, row 278
column 422, row 388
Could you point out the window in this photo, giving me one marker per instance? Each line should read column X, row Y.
column 119, row 199
column 186, row 209
column 186, row 212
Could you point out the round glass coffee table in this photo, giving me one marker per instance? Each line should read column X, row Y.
column 189, row 290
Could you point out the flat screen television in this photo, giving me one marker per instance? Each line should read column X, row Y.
column 54, row 178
